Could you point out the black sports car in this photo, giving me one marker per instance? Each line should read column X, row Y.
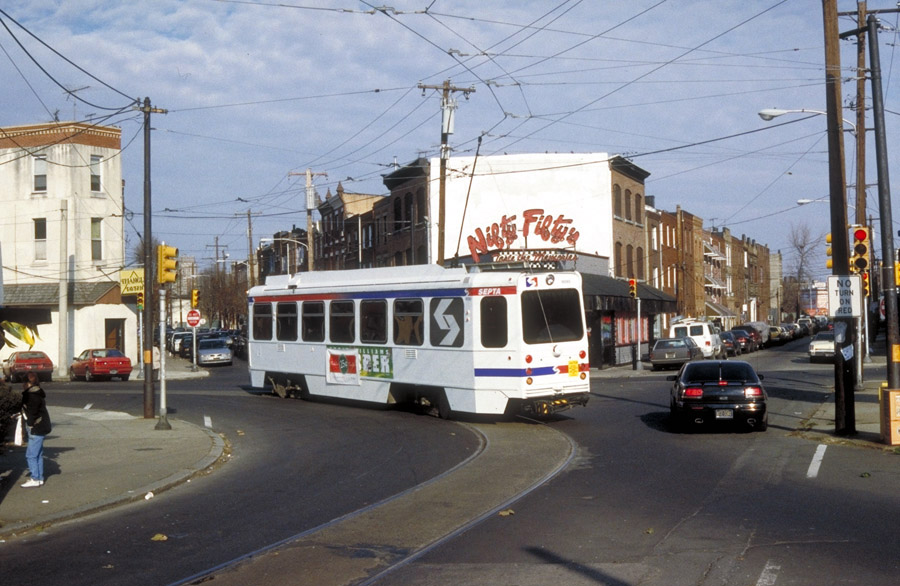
column 718, row 391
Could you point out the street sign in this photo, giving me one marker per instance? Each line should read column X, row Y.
column 131, row 281
column 845, row 297
column 193, row 318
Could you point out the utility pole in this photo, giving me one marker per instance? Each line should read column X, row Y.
column 251, row 257
column 149, row 266
column 310, row 205
column 845, row 327
column 448, row 107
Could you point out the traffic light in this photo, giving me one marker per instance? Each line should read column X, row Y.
column 140, row 300
column 195, row 298
column 166, row 264
column 632, row 288
column 865, row 283
column 829, row 263
column 859, row 259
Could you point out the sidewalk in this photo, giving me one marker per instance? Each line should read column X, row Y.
column 820, row 425
column 96, row 459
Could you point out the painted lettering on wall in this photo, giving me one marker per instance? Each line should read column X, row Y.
column 543, row 228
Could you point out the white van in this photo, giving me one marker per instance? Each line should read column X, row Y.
column 704, row 333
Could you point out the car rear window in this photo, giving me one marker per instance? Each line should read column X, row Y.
column 696, row 330
column 826, row 336
column 712, row 371
column 666, row 344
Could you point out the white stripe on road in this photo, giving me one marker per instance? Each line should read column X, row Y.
column 769, row 575
column 207, row 421
column 88, row 406
column 816, row 462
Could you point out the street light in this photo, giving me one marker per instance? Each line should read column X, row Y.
column 769, row 114
column 297, row 242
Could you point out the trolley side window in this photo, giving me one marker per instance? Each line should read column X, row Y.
column 373, row 321
column 286, row 321
column 552, row 315
column 313, row 324
column 494, row 328
column 262, row 321
column 409, row 323
column 341, row 323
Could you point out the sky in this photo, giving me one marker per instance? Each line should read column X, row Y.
column 256, row 93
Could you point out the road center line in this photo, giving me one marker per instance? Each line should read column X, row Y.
column 816, row 461
column 207, row 421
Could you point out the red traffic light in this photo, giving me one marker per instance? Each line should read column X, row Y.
column 860, row 234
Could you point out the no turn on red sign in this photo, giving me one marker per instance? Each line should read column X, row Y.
column 845, row 297
column 193, row 318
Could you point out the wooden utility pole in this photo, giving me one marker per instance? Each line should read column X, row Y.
column 310, row 206
column 448, row 107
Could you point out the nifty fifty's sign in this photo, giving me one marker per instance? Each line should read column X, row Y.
column 525, row 207
column 131, row 281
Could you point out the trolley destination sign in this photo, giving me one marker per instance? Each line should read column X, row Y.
column 845, row 296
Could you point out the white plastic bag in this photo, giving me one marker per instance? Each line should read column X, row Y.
column 19, row 439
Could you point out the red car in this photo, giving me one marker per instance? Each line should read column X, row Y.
column 20, row 363
column 100, row 363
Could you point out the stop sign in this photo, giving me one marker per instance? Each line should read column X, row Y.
column 193, row 318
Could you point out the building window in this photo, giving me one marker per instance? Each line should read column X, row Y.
column 40, row 239
column 618, row 260
column 638, row 207
column 629, row 260
column 40, row 173
column 627, row 204
column 617, row 201
column 640, row 263
column 96, row 241
column 95, row 172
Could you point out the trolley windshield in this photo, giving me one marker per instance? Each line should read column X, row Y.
column 552, row 315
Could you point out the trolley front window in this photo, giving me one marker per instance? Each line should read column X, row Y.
column 262, row 321
column 551, row 316
column 341, row 323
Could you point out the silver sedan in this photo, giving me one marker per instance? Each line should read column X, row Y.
column 213, row 351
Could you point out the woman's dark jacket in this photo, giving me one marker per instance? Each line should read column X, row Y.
column 34, row 405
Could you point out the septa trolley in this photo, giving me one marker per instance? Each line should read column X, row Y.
column 452, row 339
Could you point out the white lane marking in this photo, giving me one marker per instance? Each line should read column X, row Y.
column 88, row 406
column 816, row 462
column 769, row 575
column 207, row 421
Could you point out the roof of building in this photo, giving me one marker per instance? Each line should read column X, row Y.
column 41, row 294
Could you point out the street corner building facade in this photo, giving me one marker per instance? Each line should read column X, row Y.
column 62, row 239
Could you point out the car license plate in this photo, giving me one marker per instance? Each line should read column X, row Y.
column 114, row 371
column 724, row 413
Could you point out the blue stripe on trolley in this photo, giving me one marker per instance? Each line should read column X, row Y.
column 515, row 372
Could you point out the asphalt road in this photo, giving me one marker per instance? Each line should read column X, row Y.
column 638, row 504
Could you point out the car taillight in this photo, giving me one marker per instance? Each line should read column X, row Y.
column 752, row 392
column 693, row 392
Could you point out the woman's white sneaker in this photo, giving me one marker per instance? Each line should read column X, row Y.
column 32, row 483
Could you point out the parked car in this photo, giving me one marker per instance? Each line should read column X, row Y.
column 669, row 352
column 731, row 343
column 754, row 335
column 821, row 347
column 100, row 363
column 177, row 340
column 777, row 336
column 18, row 364
column 704, row 333
column 745, row 339
column 719, row 391
column 213, row 351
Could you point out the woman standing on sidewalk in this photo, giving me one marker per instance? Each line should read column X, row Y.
column 37, row 422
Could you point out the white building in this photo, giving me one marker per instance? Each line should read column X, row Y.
column 62, row 194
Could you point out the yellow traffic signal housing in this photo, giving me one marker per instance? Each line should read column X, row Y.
column 195, row 298
column 829, row 263
column 166, row 264
column 140, row 300
column 632, row 288
column 865, row 283
column 859, row 259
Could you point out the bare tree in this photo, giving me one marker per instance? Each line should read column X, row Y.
column 803, row 245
